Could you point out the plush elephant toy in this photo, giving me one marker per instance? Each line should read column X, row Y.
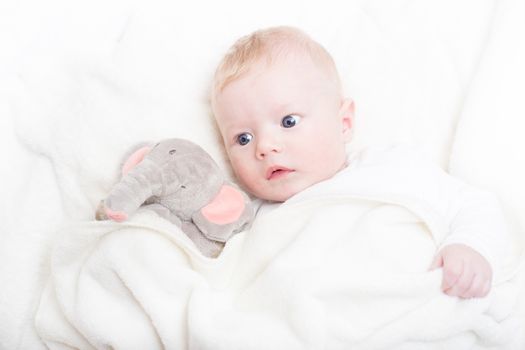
column 181, row 182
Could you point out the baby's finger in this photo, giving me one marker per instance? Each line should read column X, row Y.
column 463, row 283
column 476, row 287
column 452, row 271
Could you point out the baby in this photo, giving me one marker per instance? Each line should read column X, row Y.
column 285, row 123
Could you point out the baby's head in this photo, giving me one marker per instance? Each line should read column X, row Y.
column 278, row 103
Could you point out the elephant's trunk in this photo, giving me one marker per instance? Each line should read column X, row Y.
column 139, row 184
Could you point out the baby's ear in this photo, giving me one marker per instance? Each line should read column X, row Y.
column 346, row 114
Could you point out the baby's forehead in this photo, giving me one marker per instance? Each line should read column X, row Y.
column 290, row 59
column 260, row 52
column 276, row 88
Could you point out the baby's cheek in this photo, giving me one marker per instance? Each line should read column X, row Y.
column 243, row 173
column 237, row 165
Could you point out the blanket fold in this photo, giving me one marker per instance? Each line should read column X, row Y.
column 334, row 273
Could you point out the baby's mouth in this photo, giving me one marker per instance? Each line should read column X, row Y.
column 277, row 172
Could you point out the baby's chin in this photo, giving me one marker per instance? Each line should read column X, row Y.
column 286, row 190
column 278, row 195
column 276, row 198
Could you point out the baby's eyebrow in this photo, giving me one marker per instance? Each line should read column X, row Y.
column 228, row 125
column 282, row 108
column 233, row 129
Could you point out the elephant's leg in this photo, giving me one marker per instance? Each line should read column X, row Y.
column 163, row 212
column 208, row 247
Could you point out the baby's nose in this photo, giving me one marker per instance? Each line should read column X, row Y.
column 267, row 146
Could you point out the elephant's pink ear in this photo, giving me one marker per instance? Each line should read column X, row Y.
column 226, row 207
column 135, row 159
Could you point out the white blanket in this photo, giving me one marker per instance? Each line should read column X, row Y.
column 489, row 143
column 320, row 272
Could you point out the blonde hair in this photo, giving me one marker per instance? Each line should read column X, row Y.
column 269, row 44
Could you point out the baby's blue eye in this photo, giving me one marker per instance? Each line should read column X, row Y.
column 244, row 138
column 290, row 121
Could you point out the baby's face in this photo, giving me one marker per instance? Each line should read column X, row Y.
column 284, row 127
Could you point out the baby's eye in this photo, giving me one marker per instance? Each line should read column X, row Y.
column 290, row 121
column 244, row 138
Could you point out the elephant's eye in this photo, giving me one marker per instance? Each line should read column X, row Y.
column 182, row 186
column 172, row 152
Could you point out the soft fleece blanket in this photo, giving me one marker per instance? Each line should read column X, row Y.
column 319, row 272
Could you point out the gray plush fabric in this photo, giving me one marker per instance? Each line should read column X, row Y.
column 176, row 179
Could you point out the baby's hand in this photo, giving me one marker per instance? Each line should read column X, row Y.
column 466, row 273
